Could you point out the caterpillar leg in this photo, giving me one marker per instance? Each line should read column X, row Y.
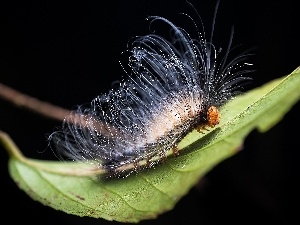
column 175, row 151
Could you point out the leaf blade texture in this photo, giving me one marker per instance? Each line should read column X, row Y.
column 148, row 193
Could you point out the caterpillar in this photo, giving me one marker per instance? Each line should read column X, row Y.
column 174, row 85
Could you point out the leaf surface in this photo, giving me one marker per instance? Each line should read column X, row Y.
column 73, row 187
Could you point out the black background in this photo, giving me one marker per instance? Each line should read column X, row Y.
column 68, row 52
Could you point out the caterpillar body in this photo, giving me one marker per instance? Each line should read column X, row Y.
column 174, row 86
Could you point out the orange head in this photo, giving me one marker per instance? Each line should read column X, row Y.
column 213, row 116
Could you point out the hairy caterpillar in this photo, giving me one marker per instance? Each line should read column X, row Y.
column 174, row 86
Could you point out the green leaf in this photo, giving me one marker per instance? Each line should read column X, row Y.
column 74, row 188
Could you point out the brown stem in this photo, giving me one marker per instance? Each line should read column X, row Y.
column 33, row 104
column 52, row 111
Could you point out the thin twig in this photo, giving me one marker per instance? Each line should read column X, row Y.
column 32, row 104
column 54, row 112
